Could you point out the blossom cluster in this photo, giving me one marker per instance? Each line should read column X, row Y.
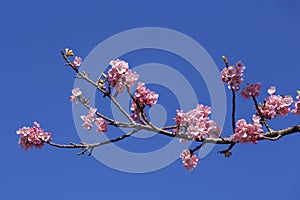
column 144, row 97
column 251, row 90
column 296, row 110
column 77, row 60
column 233, row 75
column 276, row 105
column 189, row 161
column 76, row 93
column 247, row 132
column 33, row 137
column 196, row 123
column 120, row 76
column 90, row 118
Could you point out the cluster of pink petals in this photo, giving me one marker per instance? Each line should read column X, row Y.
column 296, row 110
column 90, row 118
column 77, row 61
column 196, row 123
column 233, row 75
column 276, row 105
column 76, row 92
column 246, row 133
column 33, row 137
column 120, row 76
column 189, row 161
column 251, row 90
column 144, row 97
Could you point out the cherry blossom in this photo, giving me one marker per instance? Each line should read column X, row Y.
column 189, row 161
column 144, row 97
column 101, row 125
column 33, row 137
column 271, row 90
column 276, row 105
column 247, row 132
column 233, row 75
column 251, row 90
column 196, row 123
column 77, row 61
column 76, row 92
column 90, row 118
column 296, row 110
column 120, row 76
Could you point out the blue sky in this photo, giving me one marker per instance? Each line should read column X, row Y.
column 36, row 86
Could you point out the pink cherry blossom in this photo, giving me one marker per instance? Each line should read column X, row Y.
column 101, row 125
column 296, row 110
column 247, row 132
column 76, row 92
column 77, row 61
column 276, row 105
column 144, row 97
column 189, row 161
column 272, row 90
column 120, row 76
column 90, row 118
column 233, row 75
column 196, row 123
column 33, row 137
column 73, row 99
column 251, row 90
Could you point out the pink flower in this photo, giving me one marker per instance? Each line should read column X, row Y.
column 90, row 118
column 76, row 92
column 251, row 90
column 73, row 99
column 196, row 123
column 272, row 90
column 276, row 105
column 233, row 75
column 144, row 97
column 246, row 133
column 101, row 125
column 77, row 61
column 189, row 161
column 296, row 110
column 33, row 137
column 120, row 76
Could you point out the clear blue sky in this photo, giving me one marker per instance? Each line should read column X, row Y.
column 35, row 86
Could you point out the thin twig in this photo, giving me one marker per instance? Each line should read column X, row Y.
column 261, row 115
column 233, row 110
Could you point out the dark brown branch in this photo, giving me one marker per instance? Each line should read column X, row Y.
column 85, row 146
column 233, row 111
column 273, row 135
column 262, row 117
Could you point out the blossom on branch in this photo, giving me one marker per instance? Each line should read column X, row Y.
column 246, row 133
column 233, row 75
column 120, row 76
column 189, row 161
column 296, row 110
column 76, row 92
column 33, row 137
column 144, row 97
column 77, row 61
column 90, row 118
column 276, row 105
column 196, row 123
column 251, row 90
